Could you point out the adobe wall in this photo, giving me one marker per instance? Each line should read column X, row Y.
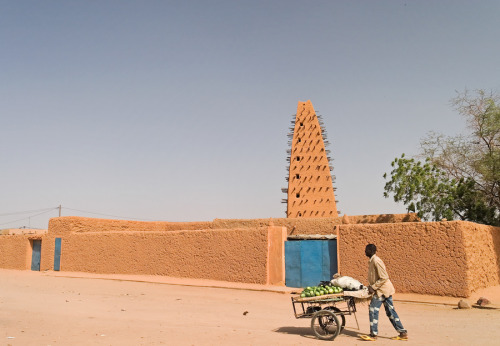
column 12, row 231
column 440, row 258
column 314, row 225
column 15, row 252
column 380, row 218
column 482, row 249
column 443, row 258
column 61, row 227
column 77, row 224
column 107, row 246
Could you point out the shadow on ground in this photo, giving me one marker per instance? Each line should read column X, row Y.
column 355, row 333
column 352, row 333
column 306, row 332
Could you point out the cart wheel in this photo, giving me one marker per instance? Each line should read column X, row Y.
column 338, row 313
column 325, row 325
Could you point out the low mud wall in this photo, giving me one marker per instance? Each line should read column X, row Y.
column 108, row 246
column 440, row 258
column 451, row 258
column 75, row 224
column 309, row 226
column 15, row 252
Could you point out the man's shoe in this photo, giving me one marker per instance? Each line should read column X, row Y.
column 368, row 337
column 401, row 336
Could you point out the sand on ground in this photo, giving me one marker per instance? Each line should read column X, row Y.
column 38, row 309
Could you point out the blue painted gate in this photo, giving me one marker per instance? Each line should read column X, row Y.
column 36, row 254
column 308, row 262
column 57, row 255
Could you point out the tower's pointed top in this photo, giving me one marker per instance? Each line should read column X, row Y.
column 305, row 105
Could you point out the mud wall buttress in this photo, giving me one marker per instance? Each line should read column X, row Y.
column 276, row 255
column 482, row 246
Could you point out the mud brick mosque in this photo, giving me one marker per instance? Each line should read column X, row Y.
column 455, row 257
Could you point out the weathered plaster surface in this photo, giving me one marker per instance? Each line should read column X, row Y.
column 76, row 224
column 314, row 225
column 423, row 257
column 482, row 250
column 239, row 255
column 276, row 255
column 12, row 231
column 15, row 252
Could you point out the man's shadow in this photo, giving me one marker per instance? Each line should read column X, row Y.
column 307, row 332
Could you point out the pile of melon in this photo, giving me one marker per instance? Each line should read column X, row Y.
column 316, row 291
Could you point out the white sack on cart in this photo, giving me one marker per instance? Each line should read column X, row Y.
column 346, row 282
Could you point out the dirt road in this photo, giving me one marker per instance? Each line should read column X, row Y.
column 36, row 309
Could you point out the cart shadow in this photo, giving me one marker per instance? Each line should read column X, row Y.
column 302, row 331
column 307, row 333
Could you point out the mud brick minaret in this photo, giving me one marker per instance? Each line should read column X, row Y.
column 310, row 189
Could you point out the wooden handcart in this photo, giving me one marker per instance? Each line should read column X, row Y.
column 327, row 313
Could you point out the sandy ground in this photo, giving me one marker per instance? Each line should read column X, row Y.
column 38, row 309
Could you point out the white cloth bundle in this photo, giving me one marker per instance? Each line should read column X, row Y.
column 346, row 282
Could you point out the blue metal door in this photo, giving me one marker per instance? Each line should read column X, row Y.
column 36, row 255
column 57, row 255
column 308, row 262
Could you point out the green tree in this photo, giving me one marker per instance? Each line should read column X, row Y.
column 428, row 191
column 460, row 177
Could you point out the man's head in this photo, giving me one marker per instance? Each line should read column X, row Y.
column 370, row 250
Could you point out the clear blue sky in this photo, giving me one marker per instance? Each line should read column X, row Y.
column 179, row 110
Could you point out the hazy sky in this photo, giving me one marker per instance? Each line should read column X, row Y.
column 179, row 110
